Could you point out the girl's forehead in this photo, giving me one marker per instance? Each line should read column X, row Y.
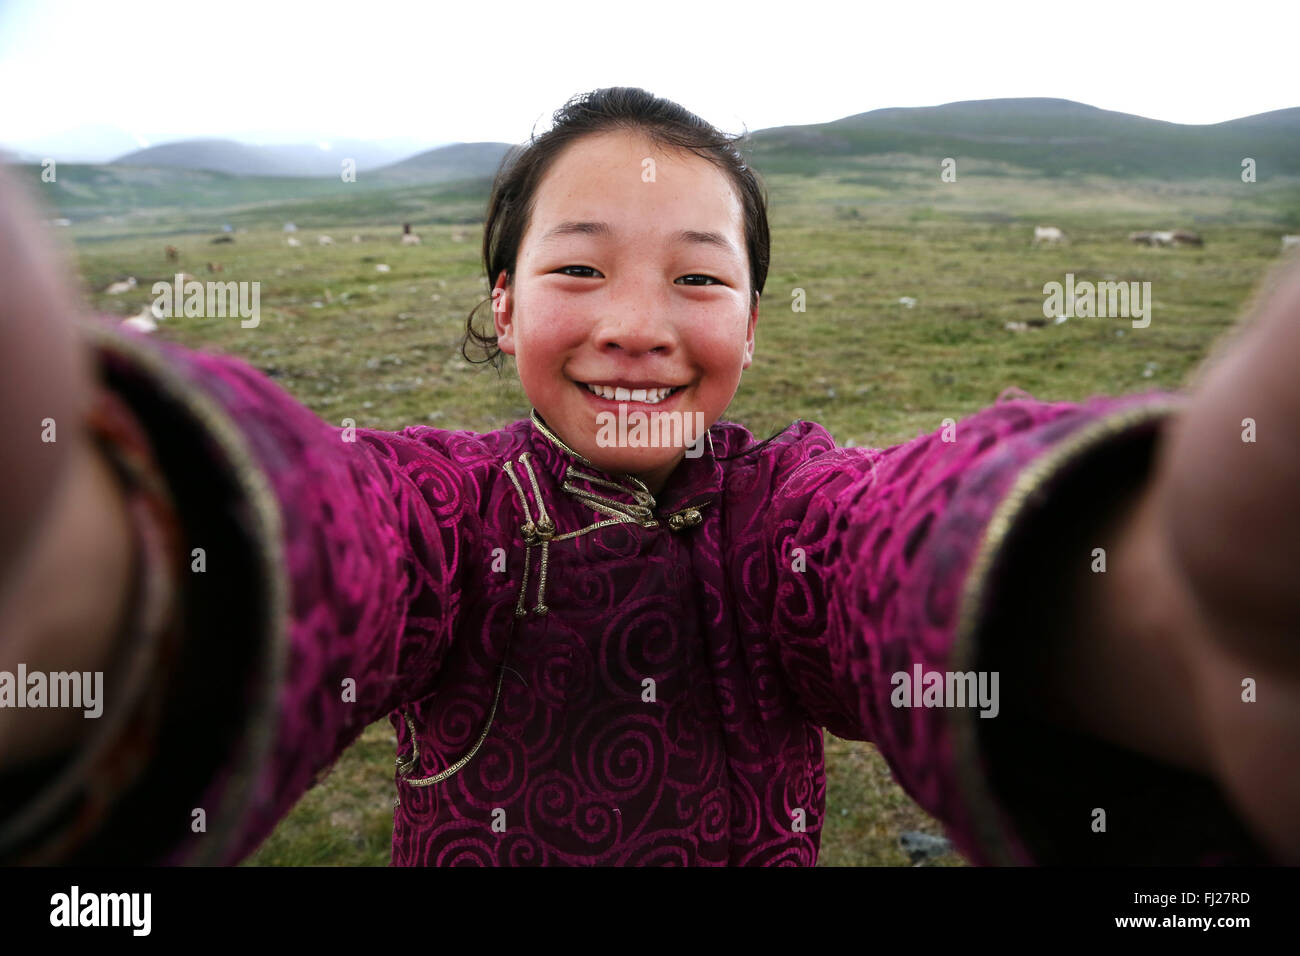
column 595, row 176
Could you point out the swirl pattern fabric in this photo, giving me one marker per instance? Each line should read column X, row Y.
column 668, row 707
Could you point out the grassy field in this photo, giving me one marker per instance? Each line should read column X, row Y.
column 383, row 349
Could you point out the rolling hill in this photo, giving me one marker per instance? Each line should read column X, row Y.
column 1048, row 137
column 1039, row 138
column 288, row 159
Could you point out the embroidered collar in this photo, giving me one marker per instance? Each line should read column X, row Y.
column 694, row 483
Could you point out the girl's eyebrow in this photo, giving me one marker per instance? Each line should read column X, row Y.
column 605, row 231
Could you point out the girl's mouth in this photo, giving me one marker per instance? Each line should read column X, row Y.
column 646, row 395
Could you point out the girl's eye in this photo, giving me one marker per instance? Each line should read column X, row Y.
column 565, row 269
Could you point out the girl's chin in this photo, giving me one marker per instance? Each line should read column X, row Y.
column 650, row 464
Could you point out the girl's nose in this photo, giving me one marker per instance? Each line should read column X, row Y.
column 636, row 330
column 633, row 341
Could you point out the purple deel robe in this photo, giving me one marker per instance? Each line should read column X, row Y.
column 665, row 665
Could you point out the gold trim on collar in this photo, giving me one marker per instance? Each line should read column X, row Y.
column 554, row 439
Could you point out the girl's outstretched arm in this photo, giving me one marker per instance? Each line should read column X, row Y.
column 319, row 572
column 995, row 605
column 1199, row 621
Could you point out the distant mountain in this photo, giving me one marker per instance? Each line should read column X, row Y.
column 312, row 159
column 448, row 163
column 1286, row 120
column 214, row 155
column 1025, row 137
column 1047, row 136
column 242, row 159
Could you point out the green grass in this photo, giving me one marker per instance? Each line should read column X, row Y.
column 383, row 349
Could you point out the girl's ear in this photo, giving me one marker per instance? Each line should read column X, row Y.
column 749, row 334
column 503, row 315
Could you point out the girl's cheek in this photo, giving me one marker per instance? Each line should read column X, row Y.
column 561, row 327
column 727, row 347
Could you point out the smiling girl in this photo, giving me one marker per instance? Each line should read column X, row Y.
column 626, row 653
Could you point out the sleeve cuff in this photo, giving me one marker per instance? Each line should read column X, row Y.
column 1031, row 787
column 49, row 807
column 219, row 705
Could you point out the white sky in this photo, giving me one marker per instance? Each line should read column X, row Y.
column 298, row 71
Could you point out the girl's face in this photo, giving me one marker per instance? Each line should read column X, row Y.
column 632, row 275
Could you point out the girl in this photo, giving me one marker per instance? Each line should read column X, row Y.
column 601, row 648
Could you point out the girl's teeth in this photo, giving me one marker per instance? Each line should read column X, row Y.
column 650, row 396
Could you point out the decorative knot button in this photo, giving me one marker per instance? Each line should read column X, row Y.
column 685, row 519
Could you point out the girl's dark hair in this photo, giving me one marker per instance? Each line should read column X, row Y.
column 513, row 198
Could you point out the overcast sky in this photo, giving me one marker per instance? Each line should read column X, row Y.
column 437, row 72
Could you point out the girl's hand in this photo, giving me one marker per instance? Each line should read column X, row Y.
column 1225, row 500
column 65, row 547
column 44, row 374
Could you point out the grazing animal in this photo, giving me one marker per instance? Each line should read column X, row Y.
column 215, row 267
column 117, row 288
column 292, row 241
column 1152, row 238
column 409, row 238
column 1156, row 238
column 147, row 320
column 173, row 254
column 325, row 240
column 1050, row 234
column 221, row 239
column 143, row 322
column 1290, row 242
column 1168, row 237
column 382, row 267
